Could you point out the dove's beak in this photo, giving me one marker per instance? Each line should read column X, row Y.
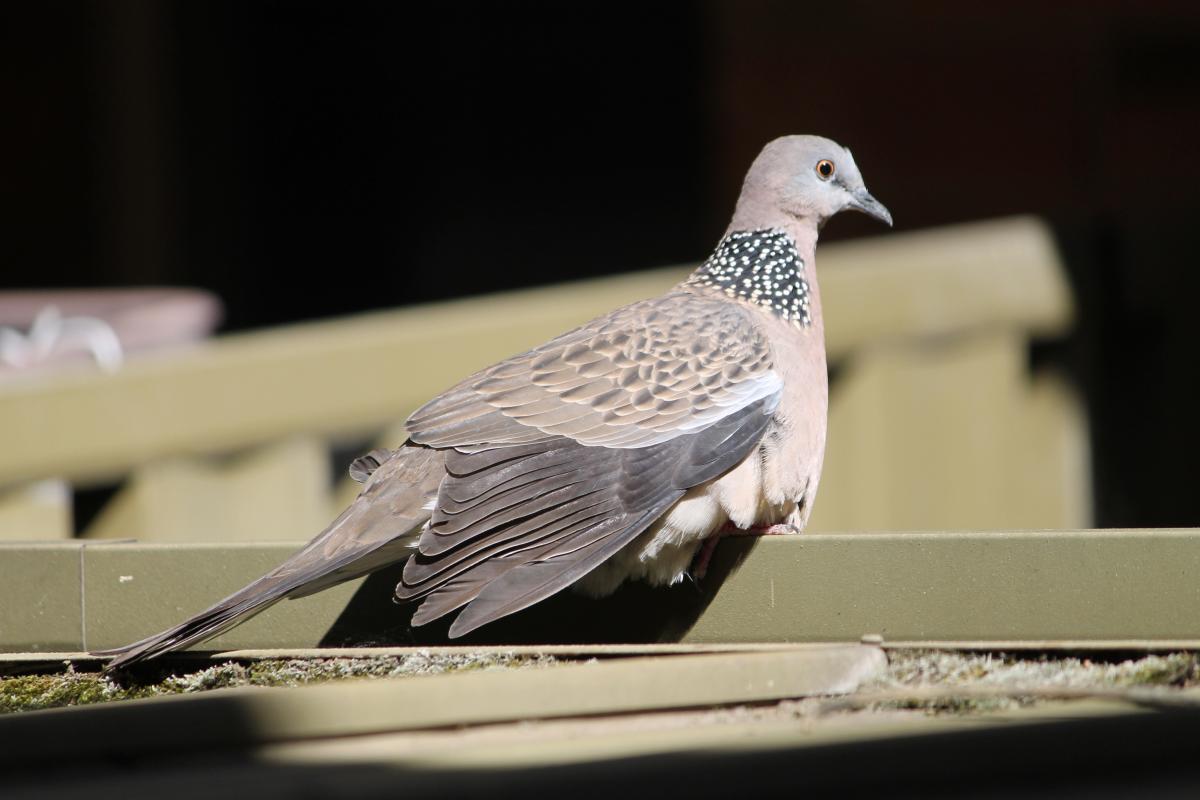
column 862, row 201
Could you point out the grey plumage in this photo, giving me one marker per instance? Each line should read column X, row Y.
column 610, row 452
column 509, row 542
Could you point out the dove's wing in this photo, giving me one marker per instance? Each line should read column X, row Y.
column 558, row 457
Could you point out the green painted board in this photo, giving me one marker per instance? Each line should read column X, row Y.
column 1101, row 586
column 1088, row 585
column 133, row 590
column 41, row 596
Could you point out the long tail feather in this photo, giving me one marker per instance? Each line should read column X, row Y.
column 378, row 529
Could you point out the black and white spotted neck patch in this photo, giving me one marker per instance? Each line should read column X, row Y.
column 763, row 267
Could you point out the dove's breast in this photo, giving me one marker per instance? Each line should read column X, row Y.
column 793, row 448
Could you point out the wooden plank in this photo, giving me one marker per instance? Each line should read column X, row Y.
column 273, row 493
column 1079, row 586
column 84, row 660
column 238, row 718
column 1094, row 747
column 36, row 511
column 41, row 597
column 130, row 589
column 1019, row 585
column 942, row 282
column 349, row 376
column 1099, row 648
column 356, row 375
column 952, row 435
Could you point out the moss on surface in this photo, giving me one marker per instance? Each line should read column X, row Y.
column 950, row 668
column 955, row 682
column 71, row 688
column 933, row 681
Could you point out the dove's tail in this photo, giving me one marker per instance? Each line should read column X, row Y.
column 377, row 529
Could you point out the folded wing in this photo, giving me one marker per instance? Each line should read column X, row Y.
column 557, row 458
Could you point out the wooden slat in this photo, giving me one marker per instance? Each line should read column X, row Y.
column 355, row 375
column 952, row 435
column 273, row 493
column 237, row 718
column 41, row 596
column 1081, row 586
column 36, row 511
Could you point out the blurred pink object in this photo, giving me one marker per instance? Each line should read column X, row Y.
column 47, row 329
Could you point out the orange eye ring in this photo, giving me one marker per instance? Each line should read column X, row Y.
column 825, row 169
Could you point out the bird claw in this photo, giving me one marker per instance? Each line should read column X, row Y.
column 779, row 530
column 782, row 529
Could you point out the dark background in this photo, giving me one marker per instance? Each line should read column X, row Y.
column 308, row 159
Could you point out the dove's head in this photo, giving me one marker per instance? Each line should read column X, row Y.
column 809, row 178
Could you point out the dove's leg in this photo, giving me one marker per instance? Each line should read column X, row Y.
column 783, row 529
column 705, row 553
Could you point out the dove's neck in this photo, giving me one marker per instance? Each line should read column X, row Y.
column 753, row 213
column 770, row 266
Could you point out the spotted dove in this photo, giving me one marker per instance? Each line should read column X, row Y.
column 613, row 451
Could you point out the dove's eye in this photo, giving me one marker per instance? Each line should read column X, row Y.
column 825, row 169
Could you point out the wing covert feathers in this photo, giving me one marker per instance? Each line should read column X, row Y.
column 637, row 377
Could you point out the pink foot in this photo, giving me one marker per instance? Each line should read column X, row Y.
column 758, row 530
column 700, row 564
